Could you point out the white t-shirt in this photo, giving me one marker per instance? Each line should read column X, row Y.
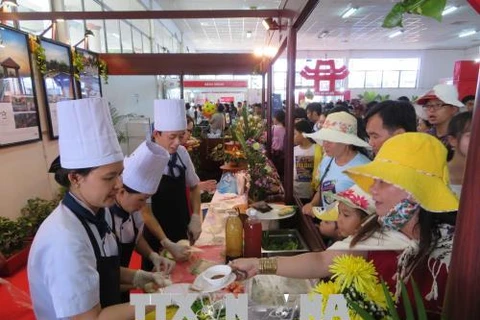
column 190, row 174
column 62, row 268
column 335, row 180
column 303, row 171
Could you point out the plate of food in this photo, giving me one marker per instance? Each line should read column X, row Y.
column 276, row 212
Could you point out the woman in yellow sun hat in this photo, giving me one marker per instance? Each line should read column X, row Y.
column 411, row 234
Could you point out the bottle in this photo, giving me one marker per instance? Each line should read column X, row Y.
column 233, row 236
column 252, row 234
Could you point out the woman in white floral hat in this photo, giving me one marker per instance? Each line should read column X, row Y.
column 341, row 145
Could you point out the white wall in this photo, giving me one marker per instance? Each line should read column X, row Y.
column 131, row 94
column 472, row 53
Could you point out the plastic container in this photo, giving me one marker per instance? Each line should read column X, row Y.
column 252, row 235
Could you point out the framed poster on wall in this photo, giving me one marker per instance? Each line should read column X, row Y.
column 88, row 84
column 19, row 120
column 57, row 81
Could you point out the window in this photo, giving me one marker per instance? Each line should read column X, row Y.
column 383, row 73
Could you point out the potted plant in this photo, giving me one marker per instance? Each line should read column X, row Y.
column 34, row 213
column 13, row 247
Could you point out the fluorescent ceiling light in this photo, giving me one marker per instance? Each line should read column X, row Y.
column 349, row 12
column 395, row 34
column 449, row 10
column 249, row 34
column 467, row 33
column 323, row 34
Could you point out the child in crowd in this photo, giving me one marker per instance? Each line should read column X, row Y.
column 352, row 207
column 303, row 159
column 459, row 138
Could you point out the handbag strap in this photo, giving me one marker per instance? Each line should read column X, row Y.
column 324, row 174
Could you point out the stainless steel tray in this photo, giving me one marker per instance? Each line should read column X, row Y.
column 286, row 234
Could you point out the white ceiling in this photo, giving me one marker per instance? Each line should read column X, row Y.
column 362, row 31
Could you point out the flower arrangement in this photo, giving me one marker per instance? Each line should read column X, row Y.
column 358, row 281
column 248, row 126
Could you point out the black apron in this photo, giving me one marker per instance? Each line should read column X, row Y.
column 170, row 208
column 108, row 268
column 126, row 248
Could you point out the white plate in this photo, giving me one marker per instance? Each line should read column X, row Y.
column 200, row 282
column 273, row 214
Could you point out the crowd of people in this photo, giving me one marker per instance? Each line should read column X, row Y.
column 386, row 188
column 383, row 181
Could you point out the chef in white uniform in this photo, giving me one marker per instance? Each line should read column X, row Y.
column 169, row 219
column 142, row 173
column 74, row 264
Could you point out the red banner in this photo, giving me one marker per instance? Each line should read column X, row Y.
column 227, row 99
column 215, row 84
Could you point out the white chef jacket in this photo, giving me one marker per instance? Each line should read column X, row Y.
column 125, row 230
column 62, row 268
column 191, row 177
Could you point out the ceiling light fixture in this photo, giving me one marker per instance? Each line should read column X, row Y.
column 323, row 34
column 395, row 34
column 9, row 3
column 449, row 10
column 270, row 24
column 349, row 12
column 88, row 33
column 249, row 34
column 467, row 33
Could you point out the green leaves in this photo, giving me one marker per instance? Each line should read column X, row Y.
column 427, row 8
column 395, row 17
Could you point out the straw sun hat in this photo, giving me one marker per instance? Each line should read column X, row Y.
column 354, row 197
column 339, row 127
column 416, row 163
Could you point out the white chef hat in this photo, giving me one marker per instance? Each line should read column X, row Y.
column 143, row 169
column 170, row 115
column 86, row 136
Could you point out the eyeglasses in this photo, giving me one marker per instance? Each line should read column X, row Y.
column 434, row 106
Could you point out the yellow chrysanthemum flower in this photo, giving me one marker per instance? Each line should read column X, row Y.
column 349, row 270
column 326, row 289
column 376, row 294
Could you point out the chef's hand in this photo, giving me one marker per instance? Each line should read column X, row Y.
column 142, row 278
column 195, row 227
column 245, row 268
column 179, row 252
column 161, row 264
